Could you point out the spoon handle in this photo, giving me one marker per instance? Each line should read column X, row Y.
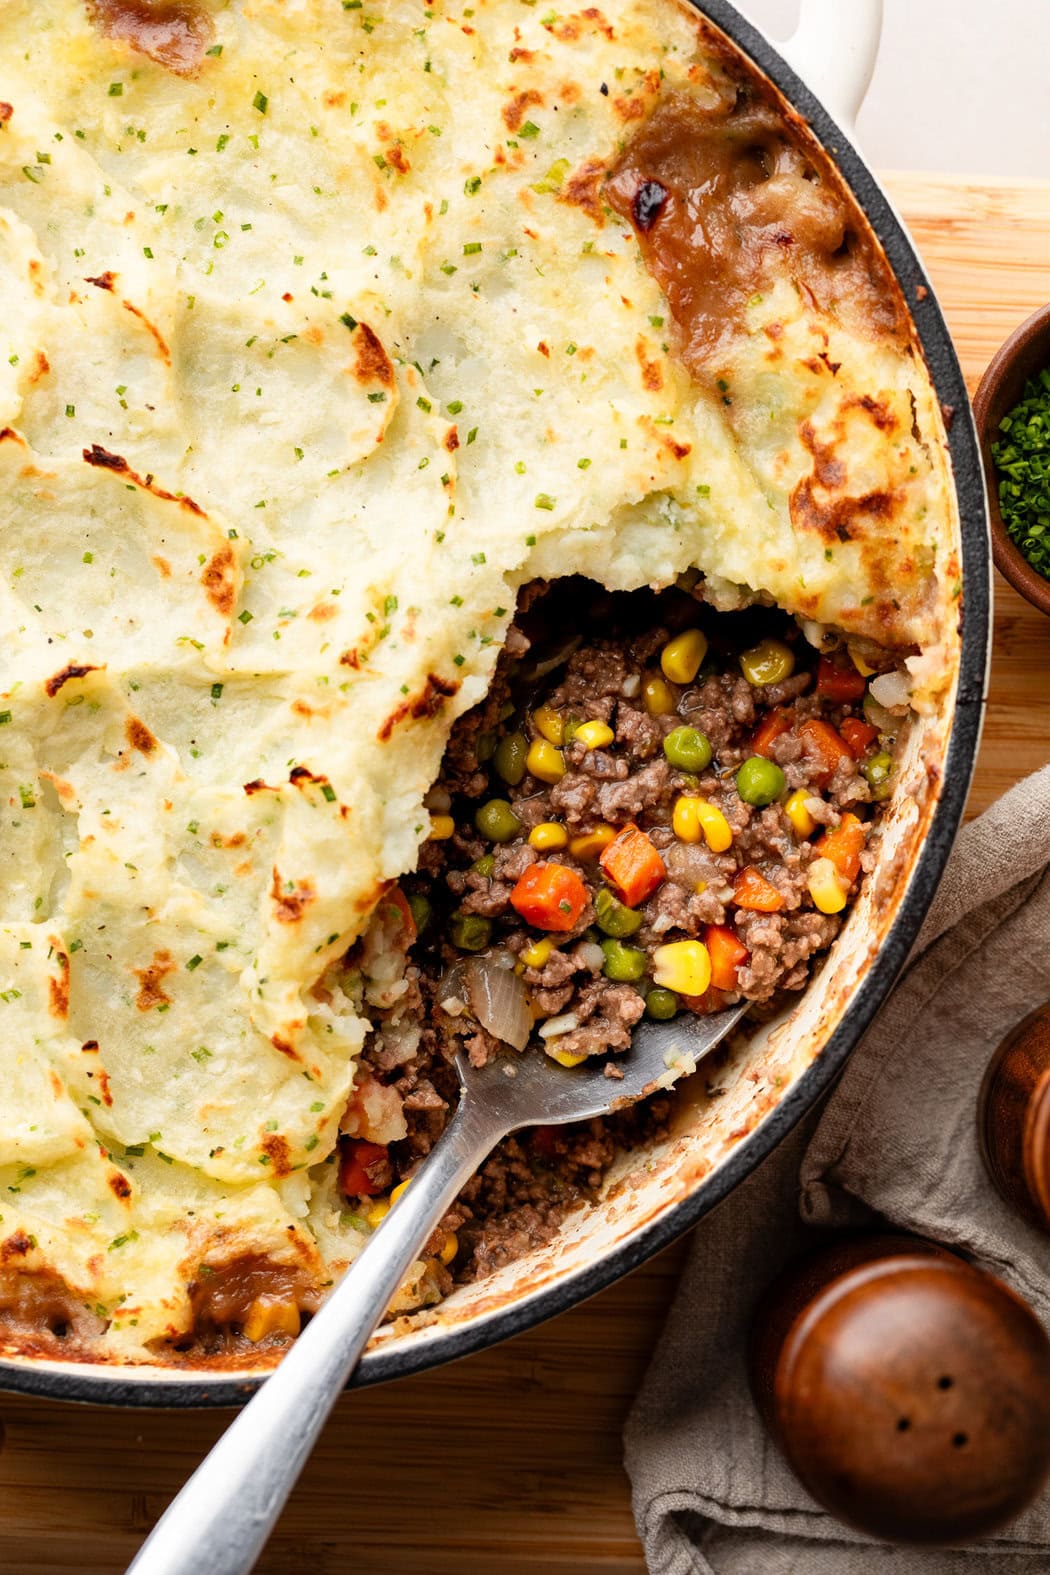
column 221, row 1519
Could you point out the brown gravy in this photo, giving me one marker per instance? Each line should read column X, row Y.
column 223, row 1295
column 727, row 199
column 37, row 1303
column 174, row 33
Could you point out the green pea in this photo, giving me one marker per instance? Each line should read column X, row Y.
column 420, row 910
column 486, row 747
column 688, row 749
column 760, row 781
column 497, row 821
column 879, row 770
column 469, row 932
column 509, row 758
column 485, row 865
column 613, row 916
column 662, row 1005
column 623, row 963
column 768, row 662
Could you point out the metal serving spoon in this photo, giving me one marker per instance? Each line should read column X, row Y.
column 224, row 1514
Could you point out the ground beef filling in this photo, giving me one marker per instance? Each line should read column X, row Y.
column 567, row 792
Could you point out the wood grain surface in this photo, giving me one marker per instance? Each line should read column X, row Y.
column 510, row 1462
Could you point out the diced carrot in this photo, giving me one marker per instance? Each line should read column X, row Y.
column 549, row 897
column 843, row 846
column 364, row 1168
column 859, row 735
column 633, row 865
column 752, row 890
column 823, row 744
column 772, row 725
column 839, row 684
column 727, row 953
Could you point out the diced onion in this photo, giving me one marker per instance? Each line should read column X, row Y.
column 691, row 863
column 591, row 956
column 631, row 686
column 559, row 658
column 554, row 1026
column 452, row 991
column 893, row 690
column 498, row 998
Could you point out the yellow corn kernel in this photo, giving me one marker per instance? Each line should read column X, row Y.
column 449, row 1250
column 590, row 845
column 686, row 821
column 266, row 1316
column 682, row 966
column 536, row 955
column 826, row 886
column 802, row 822
column 859, row 663
column 658, row 697
column 377, row 1212
column 593, row 735
column 441, row 828
column 681, row 657
column 694, row 818
column 547, row 836
column 567, row 1057
column 550, row 723
column 544, row 761
column 718, row 834
column 401, row 1188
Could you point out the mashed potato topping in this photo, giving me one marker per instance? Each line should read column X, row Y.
column 322, row 334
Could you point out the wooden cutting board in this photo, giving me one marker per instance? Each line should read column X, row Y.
column 510, row 1462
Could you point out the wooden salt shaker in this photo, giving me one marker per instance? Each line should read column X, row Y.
column 908, row 1391
column 1013, row 1118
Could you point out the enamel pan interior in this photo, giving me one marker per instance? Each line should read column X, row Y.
column 511, row 1314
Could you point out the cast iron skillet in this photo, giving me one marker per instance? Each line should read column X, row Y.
column 856, row 23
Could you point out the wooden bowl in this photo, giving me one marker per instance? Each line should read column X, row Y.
column 1013, row 1118
column 1026, row 352
column 908, row 1391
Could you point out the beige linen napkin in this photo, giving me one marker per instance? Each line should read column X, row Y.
column 896, row 1141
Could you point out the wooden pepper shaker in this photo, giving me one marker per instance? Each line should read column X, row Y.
column 1013, row 1118
column 908, row 1391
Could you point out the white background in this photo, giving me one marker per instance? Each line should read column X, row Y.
column 961, row 85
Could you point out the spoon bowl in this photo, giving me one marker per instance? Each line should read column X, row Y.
column 532, row 1090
